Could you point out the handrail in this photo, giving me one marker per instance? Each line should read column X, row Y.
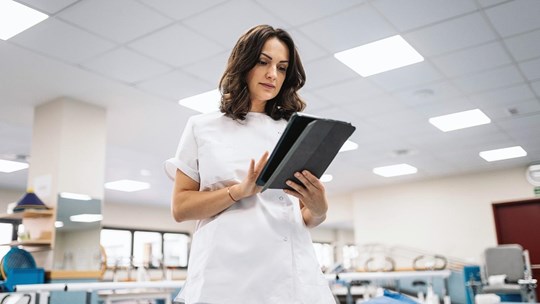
column 98, row 286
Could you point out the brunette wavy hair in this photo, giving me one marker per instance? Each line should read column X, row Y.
column 235, row 100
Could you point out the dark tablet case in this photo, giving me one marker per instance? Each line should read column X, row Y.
column 308, row 143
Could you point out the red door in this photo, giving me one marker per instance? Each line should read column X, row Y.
column 518, row 222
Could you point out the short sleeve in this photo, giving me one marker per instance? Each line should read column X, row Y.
column 186, row 158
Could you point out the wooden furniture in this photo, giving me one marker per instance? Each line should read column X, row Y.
column 39, row 227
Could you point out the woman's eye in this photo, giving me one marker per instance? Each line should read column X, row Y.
column 262, row 62
column 283, row 69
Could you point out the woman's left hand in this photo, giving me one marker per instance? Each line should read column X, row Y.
column 311, row 193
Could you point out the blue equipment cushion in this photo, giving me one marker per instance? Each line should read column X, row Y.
column 16, row 258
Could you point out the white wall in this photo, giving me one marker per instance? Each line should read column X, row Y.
column 451, row 216
column 9, row 196
column 143, row 217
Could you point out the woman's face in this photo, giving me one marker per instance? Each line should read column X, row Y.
column 266, row 77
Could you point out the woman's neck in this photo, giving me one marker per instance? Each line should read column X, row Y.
column 257, row 106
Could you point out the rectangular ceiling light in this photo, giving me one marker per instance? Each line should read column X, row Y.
column 86, row 218
column 15, row 18
column 395, row 170
column 460, row 120
column 75, row 196
column 504, row 153
column 8, row 166
column 348, row 146
column 127, row 185
column 204, row 103
column 379, row 56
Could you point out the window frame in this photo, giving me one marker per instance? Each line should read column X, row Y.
column 161, row 232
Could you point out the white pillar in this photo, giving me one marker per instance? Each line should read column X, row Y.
column 67, row 155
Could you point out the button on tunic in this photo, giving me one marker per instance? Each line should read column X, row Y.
column 258, row 250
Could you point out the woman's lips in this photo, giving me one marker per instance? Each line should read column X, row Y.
column 268, row 85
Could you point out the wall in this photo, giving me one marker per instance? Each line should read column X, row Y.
column 160, row 218
column 451, row 216
column 143, row 217
column 9, row 196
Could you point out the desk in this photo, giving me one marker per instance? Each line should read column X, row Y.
column 110, row 296
column 44, row 289
column 347, row 277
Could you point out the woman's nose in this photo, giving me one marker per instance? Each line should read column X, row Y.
column 271, row 73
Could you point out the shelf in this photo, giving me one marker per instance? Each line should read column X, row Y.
column 37, row 243
column 31, row 213
column 73, row 274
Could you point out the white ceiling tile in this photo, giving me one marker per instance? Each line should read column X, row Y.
column 444, row 107
column 488, row 80
column 176, row 45
column 475, row 137
column 427, row 94
column 393, row 119
column 126, row 65
column 368, row 107
column 515, row 17
column 54, row 63
column 62, row 41
column 298, row 13
column 351, row 28
column 241, row 15
column 175, row 86
column 408, row 76
column 49, row 6
column 472, row 60
column 521, row 135
column 118, row 20
column 181, row 9
column 536, row 87
column 306, row 48
column 326, row 71
column 349, row 91
column 339, row 113
column 502, row 96
column 407, row 14
column 524, row 47
column 527, row 124
column 451, row 35
column 210, row 69
column 313, row 102
column 488, row 3
column 531, row 69
column 501, row 111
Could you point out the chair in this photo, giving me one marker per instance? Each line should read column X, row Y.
column 508, row 272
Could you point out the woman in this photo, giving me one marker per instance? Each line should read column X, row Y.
column 248, row 247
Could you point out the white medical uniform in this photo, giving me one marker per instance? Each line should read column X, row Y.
column 258, row 250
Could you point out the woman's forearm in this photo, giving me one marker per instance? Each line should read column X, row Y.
column 196, row 205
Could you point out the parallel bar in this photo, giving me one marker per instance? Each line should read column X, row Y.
column 98, row 286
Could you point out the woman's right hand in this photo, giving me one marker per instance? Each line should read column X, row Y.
column 248, row 186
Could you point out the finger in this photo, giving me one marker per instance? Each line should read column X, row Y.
column 303, row 179
column 251, row 169
column 296, row 187
column 262, row 161
column 312, row 179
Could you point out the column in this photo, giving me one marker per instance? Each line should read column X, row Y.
column 67, row 155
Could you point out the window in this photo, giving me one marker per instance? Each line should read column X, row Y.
column 147, row 249
column 325, row 254
column 153, row 249
column 6, row 236
column 350, row 253
column 175, row 249
column 117, row 244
